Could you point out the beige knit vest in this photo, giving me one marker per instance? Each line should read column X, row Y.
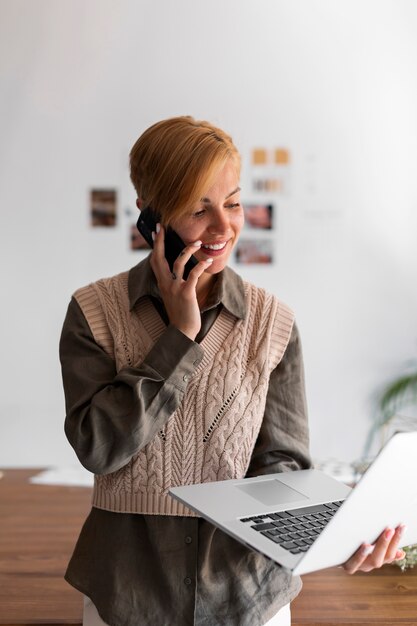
column 213, row 432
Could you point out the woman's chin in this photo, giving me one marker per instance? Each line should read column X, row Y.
column 218, row 264
column 216, row 267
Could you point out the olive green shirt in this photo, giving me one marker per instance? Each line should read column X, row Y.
column 167, row 570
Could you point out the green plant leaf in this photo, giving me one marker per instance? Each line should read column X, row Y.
column 398, row 394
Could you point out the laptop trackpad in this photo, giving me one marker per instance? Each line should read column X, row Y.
column 272, row 492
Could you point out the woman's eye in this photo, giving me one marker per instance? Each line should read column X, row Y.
column 234, row 205
column 199, row 213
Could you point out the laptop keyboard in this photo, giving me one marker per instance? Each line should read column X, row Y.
column 297, row 529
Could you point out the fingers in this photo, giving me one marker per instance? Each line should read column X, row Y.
column 159, row 263
column 400, row 555
column 357, row 560
column 184, row 257
column 384, row 550
column 382, row 547
column 386, row 547
column 393, row 552
column 196, row 272
column 179, row 296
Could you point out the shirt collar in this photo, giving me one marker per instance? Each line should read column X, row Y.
column 228, row 290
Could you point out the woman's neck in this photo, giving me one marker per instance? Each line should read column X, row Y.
column 204, row 287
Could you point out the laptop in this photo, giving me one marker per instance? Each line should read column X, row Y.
column 306, row 520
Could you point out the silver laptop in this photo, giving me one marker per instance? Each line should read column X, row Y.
column 306, row 520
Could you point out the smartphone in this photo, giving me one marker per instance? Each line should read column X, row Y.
column 146, row 225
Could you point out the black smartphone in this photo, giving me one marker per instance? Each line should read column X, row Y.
column 146, row 224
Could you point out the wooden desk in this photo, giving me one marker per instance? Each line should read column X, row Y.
column 39, row 526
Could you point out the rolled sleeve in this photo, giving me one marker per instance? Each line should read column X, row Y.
column 174, row 357
column 111, row 415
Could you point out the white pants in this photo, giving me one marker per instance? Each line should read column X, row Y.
column 282, row 618
column 92, row 618
column 90, row 615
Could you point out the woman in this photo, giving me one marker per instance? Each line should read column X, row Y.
column 169, row 382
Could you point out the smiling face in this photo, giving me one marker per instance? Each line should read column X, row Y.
column 216, row 220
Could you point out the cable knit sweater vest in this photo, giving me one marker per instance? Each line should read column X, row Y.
column 213, row 432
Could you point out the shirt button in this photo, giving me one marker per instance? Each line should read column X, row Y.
column 185, row 378
column 187, row 581
column 188, row 539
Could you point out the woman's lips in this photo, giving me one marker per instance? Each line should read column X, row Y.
column 214, row 251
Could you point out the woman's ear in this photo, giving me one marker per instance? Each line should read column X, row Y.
column 139, row 203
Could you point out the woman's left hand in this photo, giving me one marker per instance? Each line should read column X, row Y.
column 371, row 556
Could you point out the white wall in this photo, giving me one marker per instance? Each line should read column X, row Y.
column 332, row 79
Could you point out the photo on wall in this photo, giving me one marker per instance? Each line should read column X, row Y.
column 103, row 207
column 254, row 251
column 270, row 170
column 137, row 242
column 258, row 216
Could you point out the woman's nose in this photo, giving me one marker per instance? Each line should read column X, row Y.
column 219, row 223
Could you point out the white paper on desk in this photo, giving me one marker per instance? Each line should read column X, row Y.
column 69, row 476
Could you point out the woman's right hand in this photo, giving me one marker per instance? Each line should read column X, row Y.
column 179, row 296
